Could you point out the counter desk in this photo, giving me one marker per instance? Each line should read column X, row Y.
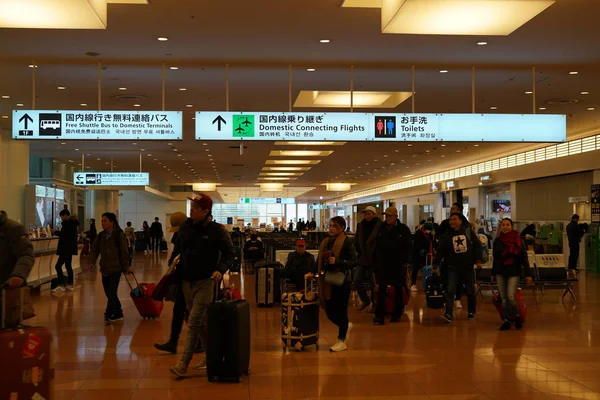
column 44, row 250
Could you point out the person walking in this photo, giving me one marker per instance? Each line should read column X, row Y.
column 66, row 249
column 16, row 253
column 206, row 253
column 111, row 246
column 510, row 263
column 366, row 234
column 574, row 234
column 424, row 245
column 156, row 234
column 393, row 247
column 337, row 258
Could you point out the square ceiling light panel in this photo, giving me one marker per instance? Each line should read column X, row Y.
column 274, row 178
column 300, row 153
column 341, row 99
column 292, row 162
column 458, row 17
column 361, row 3
column 286, row 168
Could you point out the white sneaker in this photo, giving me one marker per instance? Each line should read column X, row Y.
column 458, row 304
column 69, row 288
column 58, row 289
column 201, row 366
column 340, row 345
column 413, row 288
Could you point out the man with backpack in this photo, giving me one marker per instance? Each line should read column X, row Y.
column 460, row 252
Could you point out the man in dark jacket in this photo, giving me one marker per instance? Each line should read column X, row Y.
column 114, row 261
column 16, row 253
column 574, row 234
column 156, row 234
column 366, row 233
column 298, row 264
column 67, row 248
column 393, row 248
column 459, row 253
column 206, row 253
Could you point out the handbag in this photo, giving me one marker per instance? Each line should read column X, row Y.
column 335, row 278
column 17, row 306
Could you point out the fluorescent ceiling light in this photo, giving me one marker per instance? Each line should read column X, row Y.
column 458, row 17
column 300, row 153
column 338, row 187
column 127, row 1
column 53, row 14
column 341, row 99
column 361, row 3
column 481, row 43
column 286, row 168
column 280, row 174
column 584, row 93
column 408, row 176
column 265, row 178
column 325, row 41
column 292, row 162
column 309, row 143
column 204, row 187
column 310, row 69
column 271, row 187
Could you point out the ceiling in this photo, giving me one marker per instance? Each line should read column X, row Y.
column 204, row 36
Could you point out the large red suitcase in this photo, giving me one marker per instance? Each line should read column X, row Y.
column 26, row 363
column 497, row 300
column 142, row 299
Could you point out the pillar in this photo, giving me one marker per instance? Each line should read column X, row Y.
column 14, row 175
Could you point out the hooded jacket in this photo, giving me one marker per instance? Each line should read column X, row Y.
column 67, row 237
column 366, row 234
column 16, row 250
column 457, row 250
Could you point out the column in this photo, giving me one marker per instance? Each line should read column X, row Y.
column 14, row 175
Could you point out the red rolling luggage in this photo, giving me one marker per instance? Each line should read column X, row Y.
column 26, row 362
column 142, row 298
column 497, row 300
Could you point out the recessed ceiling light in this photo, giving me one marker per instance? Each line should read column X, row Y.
column 476, row 145
column 324, row 40
column 76, row 149
column 142, row 149
column 20, row 104
column 310, row 69
column 443, row 145
column 169, row 144
column 458, row 151
column 97, row 159
column 591, row 108
column 122, row 88
column 529, row 92
column 174, row 68
column 162, row 39
column 134, row 143
column 542, row 108
column 584, row 93
column 443, row 156
column 63, row 143
column 5, row 116
column 61, row 88
column 178, row 155
column 6, row 97
column 481, row 43
column 183, row 89
column 493, row 108
column 409, row 145
column 136, row 105
column 573, row 73
column 443, row 71
column 83, row 104
column 32, row 66
column 189, row 105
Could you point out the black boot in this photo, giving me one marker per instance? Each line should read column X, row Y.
column 518, row 323
column 505, row 326
column 168, row 347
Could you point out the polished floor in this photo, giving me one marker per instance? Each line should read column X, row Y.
column 556, row 355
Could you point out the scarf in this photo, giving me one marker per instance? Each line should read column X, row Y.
column 324, row 287
column 512, row 246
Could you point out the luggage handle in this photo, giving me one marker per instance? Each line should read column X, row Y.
column 429, row 259
column 134, row 278
column 22, row 297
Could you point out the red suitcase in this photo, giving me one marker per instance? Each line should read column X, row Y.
column 497, row 300
column 142, row 299
column 26, row 363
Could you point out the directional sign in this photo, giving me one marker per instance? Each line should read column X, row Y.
column 93, row 125
column 267, row 200
column 111, row 179
column 381, row 127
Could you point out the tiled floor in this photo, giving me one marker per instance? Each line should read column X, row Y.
column 556, row 356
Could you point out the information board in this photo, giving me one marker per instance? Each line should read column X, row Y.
column 345, row 127
column 111, row 179
column 93, row 125
column 267, row 200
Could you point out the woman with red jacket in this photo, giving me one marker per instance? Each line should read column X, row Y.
column 510, row 260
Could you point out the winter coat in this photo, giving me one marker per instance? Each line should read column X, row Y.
column 393, row 249
column 366, row 234
column 67, row 237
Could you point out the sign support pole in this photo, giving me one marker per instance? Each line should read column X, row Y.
column 412, row 79
column 533, row 88
column 352, row 88
column 82, row 162
column 111, row 164
column 473, row 90
column 33, row 85
column 289, row 88
column 140, row 162
column 227, row 87
column 163, row 86
column 99, row 87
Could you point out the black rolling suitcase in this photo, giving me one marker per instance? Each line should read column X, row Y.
column 267, row 284
column 300, row 318
column 434, row 293
column 228, row 350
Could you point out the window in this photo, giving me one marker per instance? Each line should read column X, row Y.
column 303, row 212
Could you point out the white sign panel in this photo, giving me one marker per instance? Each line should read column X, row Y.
column 267, row 200
column 381, row 127
column 111, row 179
column 103, row 125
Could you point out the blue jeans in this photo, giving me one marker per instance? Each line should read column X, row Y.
column 507, row 286
column 363, row 274
column 460, row 276
column 198, row 295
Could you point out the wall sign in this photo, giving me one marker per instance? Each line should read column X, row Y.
column 111, row 179
column 381, row 127
column 267, row 200
column 103, row 125
column 595, row 203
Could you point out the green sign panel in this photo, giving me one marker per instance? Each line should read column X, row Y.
column 243, row 125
